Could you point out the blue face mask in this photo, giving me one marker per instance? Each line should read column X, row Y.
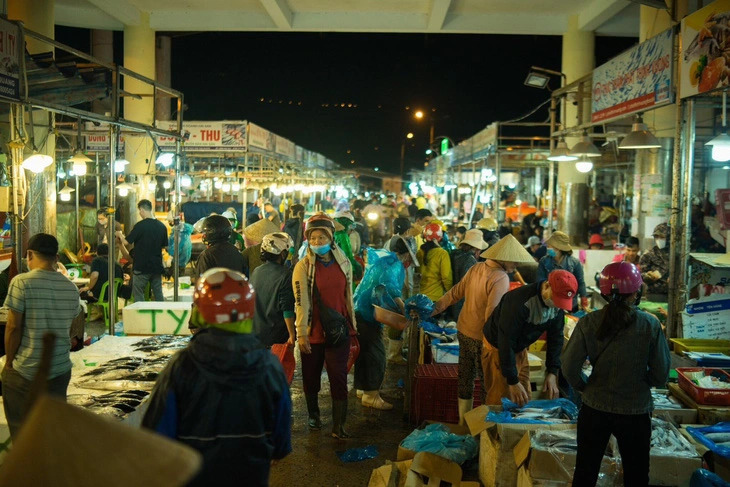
column 551, row 253
column 320, row 249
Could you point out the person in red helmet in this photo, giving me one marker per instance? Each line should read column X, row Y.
column 225, row 394
column 325, row 320
column 628, row 354
column 435, row 264
column 596, row 242
column 519, row 320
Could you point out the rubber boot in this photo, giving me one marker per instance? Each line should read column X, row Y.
column 339, row 414
column 372, row 399
column 465, row 405
column 394, row 352
column 313, row 409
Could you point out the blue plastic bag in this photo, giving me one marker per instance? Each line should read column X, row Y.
column 566, row 407
column 437, row 439
column 422, row 305
column 699, row 435
column 432, row 327
column 358, row 454
column 705, row 478
column 382, row 282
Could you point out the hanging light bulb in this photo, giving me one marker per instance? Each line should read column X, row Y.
column 119, row 165
column 186, row 181
column 218, row 184
column 583, row 166
column 721, row 144
column 167, row 185
column 561, row 153
column 79, row 161
column 640, row 137
column 165, row 159
column 124, row 189
column 36, row 162
column 152, row 185
column 236, row 187
column 65, row 193
column 61, row 173
column 226, row 187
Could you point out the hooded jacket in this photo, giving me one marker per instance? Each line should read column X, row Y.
column 226, row 396
column 436, row 276
column 303, row 281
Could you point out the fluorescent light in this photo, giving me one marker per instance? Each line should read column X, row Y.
column 561, row 153
column 165, row 159
column 36, row 163
column 640, row 137
column 585, row 147
column 584, row 166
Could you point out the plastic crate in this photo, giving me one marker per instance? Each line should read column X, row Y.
column 435, row 393
column 683, row 345
column 701, row 395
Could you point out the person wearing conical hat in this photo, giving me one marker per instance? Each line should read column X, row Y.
column 560, row 256
column 491, row 278
column 253, row 235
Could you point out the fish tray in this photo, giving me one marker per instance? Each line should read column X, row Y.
column 701, row 395
column 435, row 393
column 683, row 345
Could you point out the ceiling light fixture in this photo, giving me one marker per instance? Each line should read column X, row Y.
column 585, row 147
column 640, row 136
column 721, row 144
column 124, row 189
column 36, row 162
column 561, row 153
column 65, row 193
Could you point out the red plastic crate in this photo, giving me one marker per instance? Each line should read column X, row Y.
column 435, row 393
column 717, row 397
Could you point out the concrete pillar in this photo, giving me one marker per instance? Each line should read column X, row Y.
column 39, row 16
column 139, row 56
column 572, row 198
column 163, row 65
column 102, row 47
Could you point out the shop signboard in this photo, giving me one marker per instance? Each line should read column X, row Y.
column 227, row 135
column 320, row 160
column 299, row 157
column 98, row 141
column 284, row 147
column 258, row 137
column 635, row 81
column 10, row 52
column 702, row 59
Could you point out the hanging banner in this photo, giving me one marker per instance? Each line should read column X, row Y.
column 10, row 52
column 99, row 142
column 637, row 80
column 284, row 147
column 226, row 136
column 258, row 137
column 703, row 63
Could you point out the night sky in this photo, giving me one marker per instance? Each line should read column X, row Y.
column 471, row 81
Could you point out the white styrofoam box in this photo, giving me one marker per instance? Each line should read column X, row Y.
column 157, row 318
column 708, row 317
column 445, row 353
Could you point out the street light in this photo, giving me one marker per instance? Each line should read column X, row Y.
column 419, row 115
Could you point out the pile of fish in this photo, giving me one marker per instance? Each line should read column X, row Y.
column 124, row 373
column 162, row 345
column 720, row 439
column 663, row 401
column 549, row 415
column 114, row 405
column 667, row 441
column 562, row 441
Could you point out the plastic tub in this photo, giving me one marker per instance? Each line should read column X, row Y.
column 702, row 395
column 393, row 320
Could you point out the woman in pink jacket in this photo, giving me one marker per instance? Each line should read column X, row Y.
column 482, row 287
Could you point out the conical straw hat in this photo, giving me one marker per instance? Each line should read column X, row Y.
column 508, row 250
column 255, row 232
column 60, row 445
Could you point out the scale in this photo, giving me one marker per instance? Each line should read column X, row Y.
column 75, row 271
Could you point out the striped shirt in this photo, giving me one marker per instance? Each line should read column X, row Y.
column 49, row 302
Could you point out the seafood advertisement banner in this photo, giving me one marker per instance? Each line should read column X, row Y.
column 9, row 60
column 207, row 136
column 705, row 55
column 285, row 147
column 637, row 80
column 258, row 137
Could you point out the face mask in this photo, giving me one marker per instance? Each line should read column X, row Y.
column 551, row 253
column 661, row 242
column 320, row 249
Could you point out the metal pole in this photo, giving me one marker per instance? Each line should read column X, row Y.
column 497, row 185
column 176, row 228
column 111, row 238
column 685, row 213
column 551, row 172
column 98, row 180
column 78, row 225
column 674, row 298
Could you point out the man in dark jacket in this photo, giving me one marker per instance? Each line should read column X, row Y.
column 220, row 252
column 273, row 320
column 225, row 395
column 294, row 227
column 654, row 265
column 521, row 318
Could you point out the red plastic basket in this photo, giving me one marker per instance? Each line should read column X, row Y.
column 717, row 397
column 435, row 393
column 285, row 354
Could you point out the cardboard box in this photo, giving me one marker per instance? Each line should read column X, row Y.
column 679, row 416
column 675, row 471
column 497, row 466
column 406, row 454
column 157, row 318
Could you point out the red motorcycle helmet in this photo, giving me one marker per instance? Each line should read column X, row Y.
column 620, row 277
column 223, row 296
column 433, row 231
